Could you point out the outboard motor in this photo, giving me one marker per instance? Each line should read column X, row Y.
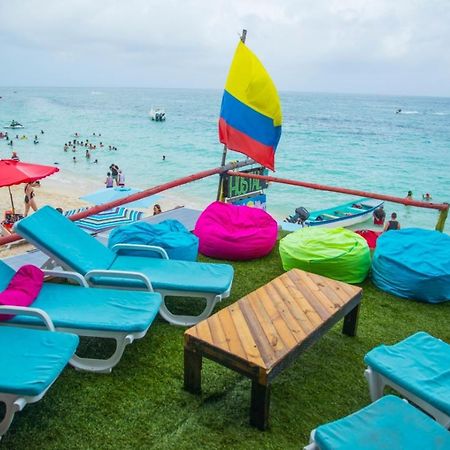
column 300, row 216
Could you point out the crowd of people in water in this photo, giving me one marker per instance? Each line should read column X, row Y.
column 86, row 145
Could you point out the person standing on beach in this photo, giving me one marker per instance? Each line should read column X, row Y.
column 109, row 182
column 379, row 216
column 121, row 179
column 392, row 224
column 114, row 172
column 29, row 197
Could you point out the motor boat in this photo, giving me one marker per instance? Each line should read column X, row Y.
column 15, row 125
column 338, row 216
column 157, row 114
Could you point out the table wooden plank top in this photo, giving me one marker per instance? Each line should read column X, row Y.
column 264, row 326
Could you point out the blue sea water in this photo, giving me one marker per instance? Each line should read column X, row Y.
column 354, row 141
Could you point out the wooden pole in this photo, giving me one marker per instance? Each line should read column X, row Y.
column 224, row 152
column 441, row 220
column 12, row 201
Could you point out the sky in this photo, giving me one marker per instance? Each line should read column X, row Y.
column 395, row 47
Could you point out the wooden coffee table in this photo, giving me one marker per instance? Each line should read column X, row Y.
column 264, row 332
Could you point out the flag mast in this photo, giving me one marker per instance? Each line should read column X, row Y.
column 224, row 153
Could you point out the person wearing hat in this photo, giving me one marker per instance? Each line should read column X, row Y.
column 379, row 216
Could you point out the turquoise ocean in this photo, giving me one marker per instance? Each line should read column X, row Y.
column 353, row 141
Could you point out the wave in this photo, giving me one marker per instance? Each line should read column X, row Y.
column 409, row 112
column 96, row 93
column 440, row 113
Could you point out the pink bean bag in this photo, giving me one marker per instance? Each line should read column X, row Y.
column 234, row 232
column 23, row 288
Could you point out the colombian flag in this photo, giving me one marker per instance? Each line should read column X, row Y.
column 250, row 115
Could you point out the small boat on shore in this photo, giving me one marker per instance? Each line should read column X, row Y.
column 157, row 114
column 338, row 216
column 15, row 125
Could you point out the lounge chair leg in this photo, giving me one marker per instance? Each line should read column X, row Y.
column 192, row 371
column 259, row 407
column 102, row 365
column 13, row 404
column 376, row 384
column 187, row 321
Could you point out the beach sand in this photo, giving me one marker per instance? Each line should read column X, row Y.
column 62, row 191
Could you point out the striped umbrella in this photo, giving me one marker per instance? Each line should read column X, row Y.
column 106, row 219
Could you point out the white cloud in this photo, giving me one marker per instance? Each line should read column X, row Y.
column 190, row 43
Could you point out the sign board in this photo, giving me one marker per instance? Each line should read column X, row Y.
column 238, row 186
column 256, row 201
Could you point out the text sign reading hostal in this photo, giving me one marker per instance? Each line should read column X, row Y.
column 237, row 186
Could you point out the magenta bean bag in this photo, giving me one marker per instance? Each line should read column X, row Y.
column 233, row 232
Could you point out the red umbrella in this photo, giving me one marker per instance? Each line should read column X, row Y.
column 16, row 172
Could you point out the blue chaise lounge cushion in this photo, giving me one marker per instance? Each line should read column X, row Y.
column 31, row 360
column 76, row 249
column 420, row 364
column 389, row 423
column 90, row 309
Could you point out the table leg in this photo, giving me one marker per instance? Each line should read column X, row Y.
column 351, row 321
column 192, row 371
column 259, row 407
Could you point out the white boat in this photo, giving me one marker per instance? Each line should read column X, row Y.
column 157, row 114
column 339, row 216
column 15, row 125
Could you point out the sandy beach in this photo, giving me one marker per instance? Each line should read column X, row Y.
column 63, row 191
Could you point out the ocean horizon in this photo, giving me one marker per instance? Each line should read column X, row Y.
column 356, row 141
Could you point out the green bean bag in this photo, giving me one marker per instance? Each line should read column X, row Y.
column 336, row 253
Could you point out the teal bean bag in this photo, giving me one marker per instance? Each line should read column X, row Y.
column 171, row 235
column 335, row 253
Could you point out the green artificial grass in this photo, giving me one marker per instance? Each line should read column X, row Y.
column 142, row 404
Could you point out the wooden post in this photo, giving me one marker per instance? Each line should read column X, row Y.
column 441, row 220
column 260, row 405
column 220, row 196
column 192, row 371
column 351, row 321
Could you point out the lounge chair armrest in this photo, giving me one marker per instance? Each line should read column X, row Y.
column 68, row 275
column 141, row 247
column 118, row 274
column 25, row 310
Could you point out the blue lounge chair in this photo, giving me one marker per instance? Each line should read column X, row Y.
column 102, row 313
column 30, row 362
column 389, row 423
column 418, row 368
column 73, row 249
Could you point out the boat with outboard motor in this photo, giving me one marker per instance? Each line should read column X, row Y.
column 338, row 216
column 157, row 114
column 15, row 125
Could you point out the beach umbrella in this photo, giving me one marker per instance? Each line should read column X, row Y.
column 106, row 219
column 110, row 194
column 14, row 172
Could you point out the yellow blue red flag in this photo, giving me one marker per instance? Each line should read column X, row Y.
column 250, row 115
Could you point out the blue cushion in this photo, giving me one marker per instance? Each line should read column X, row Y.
column 389, row 423
column 171, row 235
column 413, row 263
column 6, row 273
column 49, row 229
column 95, row 309
column 420, row 364
column 31, row 360
column 177, row 275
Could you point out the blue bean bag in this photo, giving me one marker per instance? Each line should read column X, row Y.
column 171, row 235
column 413, row 263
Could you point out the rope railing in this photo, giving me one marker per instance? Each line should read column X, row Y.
column 145, row 193
column 442, row 207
